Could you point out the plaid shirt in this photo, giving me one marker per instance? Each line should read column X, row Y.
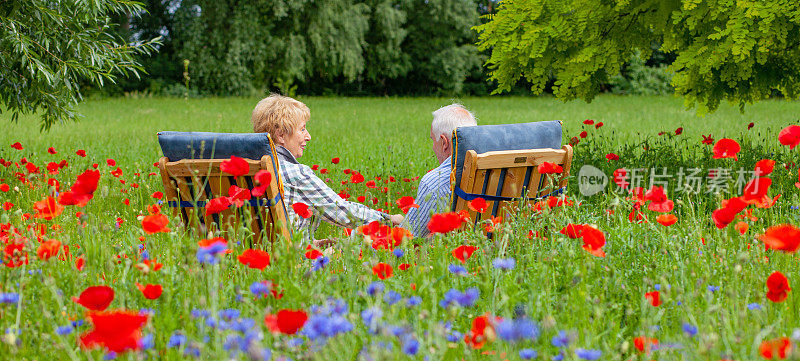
column 433, row 196
column 301, row 185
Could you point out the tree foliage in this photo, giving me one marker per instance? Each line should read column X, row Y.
column 49, row 48
column 740, row 51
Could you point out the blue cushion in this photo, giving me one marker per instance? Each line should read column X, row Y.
column 204, row 145
column 488, row 138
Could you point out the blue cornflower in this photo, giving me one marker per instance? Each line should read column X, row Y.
column 375, row 288
column 516, row 330
column 713, row 288
column 657, row 287
column 110, row 355
column 410, row 346
column 192, row 350
column 588, row 354
column 504, row 263
column 209, row 254
column 558, row 357
column 690, row 329
column 200, row 313
column 296, row 341
column 259, row 289
column 147, row 312
column 455, row 336
column 527, row 354
column 392, row 297
column 561, row 340
column 64, row 330
column 319, row 263
column 320, row 326
column 266, row 354
column 457, row 269
column 371, row 316
column 145, row 256
column 413, row 301
column 229, row 313
column 753, row 306
column 9, row 297
column 147, row 341
column 465, row 299
column 176, row 340
column 398, row 252
column 77, row 323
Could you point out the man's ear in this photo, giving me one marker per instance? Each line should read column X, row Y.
column 446, row 144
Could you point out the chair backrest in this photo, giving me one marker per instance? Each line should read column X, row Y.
column 500, row 163
column 190, row 172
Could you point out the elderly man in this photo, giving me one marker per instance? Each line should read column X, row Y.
column 433, row 193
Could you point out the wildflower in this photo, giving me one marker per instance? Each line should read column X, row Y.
column 654, row 298
column 413, row 301
column 713, row 288
column 382, row 270
column 726, row 148
column 398, row 252
column 151, row 291
column 644, row 344
column 319, row 263
column 302, row 210
column 445, row 222
column 406, row 203
column 527, row 354
column 784, row 237
column 463, row 252
column 217, row 205
column 778, row 287
column 612, row 156
column 371, row 316
column 176, row 340
column 790, row 136
column 463, row 299
column 254, row 258
column 82, row 191
column 478, row 335
column 562, row 339
column 117, row 331
column 95, row 298
column 155, row 223
column 753, row 306
column 588, row 354
column 286, row 321
column 517, row 330
column 478, row 205
column 504, row 263
column 375, row 288
column 689, row 329
column 777, row 347
column 550, row 168
column 457, row 269
column 392, row 297
column 235, row 166
column 666, row 220
column 410, row 346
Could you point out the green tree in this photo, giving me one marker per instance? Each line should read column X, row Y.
column 738, row 51
column 49, row 48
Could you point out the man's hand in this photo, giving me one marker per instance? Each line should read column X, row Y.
column 396, row 219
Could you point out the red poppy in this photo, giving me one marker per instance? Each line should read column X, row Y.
column 4, row 187
column 51, row 150
column 777, row 347
column 238, row 195
column 47, row 208
column 679, row 131
column 741, row 227
column 726, row 148
column 80, row 153
column 235, row 166
column 612, row 156
column 95, row 298
column 654, row 298
column 116, row 331
column 157, row 195
column 217, row 205
column 797, row 184
column 784, row 237
column 572, row 230
column 751, row 125
column 356, row 177
column 263, row 178
column 643, row 344
column 404, row 266
column 287, row 322
column 335, row 160
column 301, row 209
column 588, row 122
column 117, row 172
column 150, row 291
column 549, row 168
column 82, row 191
column 48, row 249
column 482, row 330
column 755, row 192
column 790, row 136
column 598, row 125
column 80, row 263
column 725, row 215
column 593, row 241
column 583, row 134
column 764, row 167
column 666, row 219
column 155, row 223
column 620, row 178
column 658, row 200
column 382, row 270
column 464, row 252
column 370, row 184
column 445, row 222
column 111, row 162
column 777, row 287
column 478, row 205
column 17, row 146
column 406, row 203
column 312, row 253
column 254, row 258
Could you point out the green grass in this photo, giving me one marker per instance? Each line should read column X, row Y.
column 598, row 301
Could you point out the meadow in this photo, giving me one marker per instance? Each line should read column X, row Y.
column 687, row 291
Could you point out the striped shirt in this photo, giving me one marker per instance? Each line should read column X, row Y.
column 433, row 196
column 301, row 185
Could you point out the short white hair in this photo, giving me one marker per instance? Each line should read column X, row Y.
column 446, row 119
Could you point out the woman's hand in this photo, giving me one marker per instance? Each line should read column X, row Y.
column 396, row 219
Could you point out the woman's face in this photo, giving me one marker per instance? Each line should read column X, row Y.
column 296, row 141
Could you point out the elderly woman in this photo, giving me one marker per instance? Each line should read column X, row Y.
column 285, row 120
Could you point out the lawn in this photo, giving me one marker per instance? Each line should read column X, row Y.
column 556, row 300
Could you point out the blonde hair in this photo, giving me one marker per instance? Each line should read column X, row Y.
column 279, row 115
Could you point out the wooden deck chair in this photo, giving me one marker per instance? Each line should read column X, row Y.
column 499, row 163
column 191, row 176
